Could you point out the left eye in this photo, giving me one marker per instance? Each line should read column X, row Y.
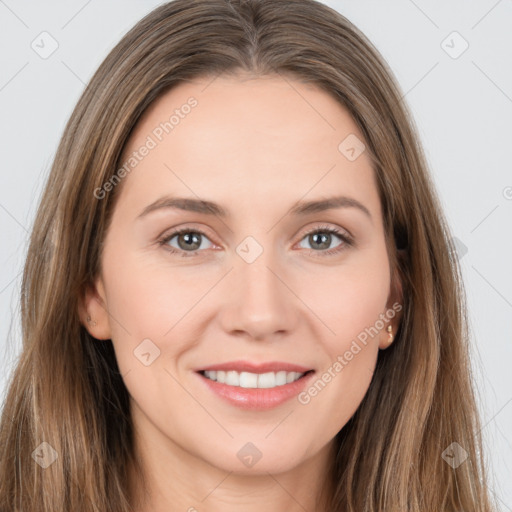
column 324, row 238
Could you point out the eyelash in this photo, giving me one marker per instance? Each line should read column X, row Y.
column 346, row 239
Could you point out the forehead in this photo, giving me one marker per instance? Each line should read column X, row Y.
column 244, row 137
column 268, row 107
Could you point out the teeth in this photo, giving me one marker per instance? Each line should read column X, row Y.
column 267, row 380
column 248, row 380
column 253, row 380
column 281, row 378
column 233, row 378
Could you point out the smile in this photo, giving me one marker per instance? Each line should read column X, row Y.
column 255, row 386
column 253, row 380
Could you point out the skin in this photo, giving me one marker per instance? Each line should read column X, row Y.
column 255, row 146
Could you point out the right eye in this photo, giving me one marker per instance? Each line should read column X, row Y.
column 186, row 238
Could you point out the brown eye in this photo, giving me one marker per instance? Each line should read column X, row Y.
column 191, row 240
column 321, row 241
column 187, row 241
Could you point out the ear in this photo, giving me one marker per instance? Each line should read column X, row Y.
column 394, row 305
column 93, row 310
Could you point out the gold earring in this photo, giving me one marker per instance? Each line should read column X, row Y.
column 90, row 322
column 390, row 331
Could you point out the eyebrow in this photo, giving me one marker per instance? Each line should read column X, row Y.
column 301, row 208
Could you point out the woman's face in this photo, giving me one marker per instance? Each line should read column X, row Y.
column 258, row 289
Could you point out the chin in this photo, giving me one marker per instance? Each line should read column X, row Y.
column 258, row 457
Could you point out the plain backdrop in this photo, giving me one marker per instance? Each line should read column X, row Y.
column 453, row 63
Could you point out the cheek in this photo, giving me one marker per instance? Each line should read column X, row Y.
column 151, row 329
column 348, row 300
column 350, row 307
column 142, row 300
column 153, row 301
column 147, row 289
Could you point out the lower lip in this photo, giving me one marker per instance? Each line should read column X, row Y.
column 257, row 399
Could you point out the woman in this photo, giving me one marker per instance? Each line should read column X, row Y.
column 251, row 371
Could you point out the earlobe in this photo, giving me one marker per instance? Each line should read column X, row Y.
column 93, row 311
column 395, row 304
column 389, row 332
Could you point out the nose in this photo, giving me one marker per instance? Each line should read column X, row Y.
column 260, row 303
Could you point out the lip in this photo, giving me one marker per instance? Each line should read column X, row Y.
column 256, row 399
column 248, row 366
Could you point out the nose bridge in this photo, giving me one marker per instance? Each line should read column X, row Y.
column 261, row 304
column 259, row 281
column 260, row 285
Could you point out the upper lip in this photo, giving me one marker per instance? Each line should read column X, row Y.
column 248, row 366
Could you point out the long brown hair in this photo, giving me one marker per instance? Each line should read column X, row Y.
column 66, row 389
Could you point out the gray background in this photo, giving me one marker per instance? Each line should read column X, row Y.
column 461, row 101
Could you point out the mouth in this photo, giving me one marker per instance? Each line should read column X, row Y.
column 249, row 380
column 255, row 386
